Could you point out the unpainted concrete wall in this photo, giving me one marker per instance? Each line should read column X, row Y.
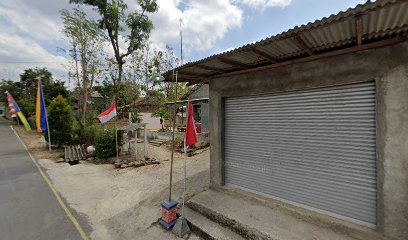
column 153, row 123
column 388, row 66
column 201, row 92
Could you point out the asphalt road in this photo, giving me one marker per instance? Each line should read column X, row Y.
column 28, row 208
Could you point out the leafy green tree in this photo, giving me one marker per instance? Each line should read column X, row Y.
column 135, row 27
column 25, row 91
column 62, row 122
column 85, row 40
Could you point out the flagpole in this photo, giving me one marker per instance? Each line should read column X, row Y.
column 172, row 145
column 117, row 150
column 185, row 177
column 46, row 117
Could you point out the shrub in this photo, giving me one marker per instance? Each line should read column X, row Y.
column 105, row 142
column 88, row 134
column 31, row 120
column 135, row 114
column 61, row 121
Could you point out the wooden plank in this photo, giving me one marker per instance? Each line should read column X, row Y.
column 84, row 150
column 190, row 74
column 66, row 154
column 233, row 63
column 75, row 153
column 378, row 44
column 81, row 154
column 302, row 44
column 195, row 81
column 210, row 68
column 70, row 158
column 263, row 54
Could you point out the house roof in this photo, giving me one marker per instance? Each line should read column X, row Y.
column 191, row 91
column 369, row 25
column 96, row 94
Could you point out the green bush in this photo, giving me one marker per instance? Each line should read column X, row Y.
column 88, row 134
column 63, row 125
column 105, row 142
column 31, row 120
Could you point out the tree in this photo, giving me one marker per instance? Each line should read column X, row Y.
column 84, row 37
column 61, row 121
column 25, row 91
column 135, row 27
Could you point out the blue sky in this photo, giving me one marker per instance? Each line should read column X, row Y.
column 31, row 30
column 259, row 24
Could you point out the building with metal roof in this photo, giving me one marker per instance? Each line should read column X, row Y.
column 371, row 25
column 316, row 119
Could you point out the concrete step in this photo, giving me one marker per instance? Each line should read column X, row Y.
column 254, row 220
column 157, row 142
column 208, row 229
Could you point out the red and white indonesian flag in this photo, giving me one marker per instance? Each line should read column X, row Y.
column 191, row 134
column 108, row 114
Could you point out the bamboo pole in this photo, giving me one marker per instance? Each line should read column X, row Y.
column 46, row 116
column 172, row 144
column 117, row 150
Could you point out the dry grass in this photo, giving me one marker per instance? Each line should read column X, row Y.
column 38, row 149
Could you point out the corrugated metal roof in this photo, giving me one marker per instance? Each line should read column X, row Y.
column 379, row 20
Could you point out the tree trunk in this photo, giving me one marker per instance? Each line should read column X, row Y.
column 84, row 107
column 119, row 80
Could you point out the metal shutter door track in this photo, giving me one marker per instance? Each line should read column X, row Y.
column 316, row 148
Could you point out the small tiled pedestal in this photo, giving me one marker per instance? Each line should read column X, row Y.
column 169, row 214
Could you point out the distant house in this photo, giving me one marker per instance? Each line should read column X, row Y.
column 198, row 96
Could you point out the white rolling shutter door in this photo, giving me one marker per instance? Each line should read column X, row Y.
column 316, row 148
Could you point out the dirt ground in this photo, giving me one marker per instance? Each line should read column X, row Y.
column 122, row 203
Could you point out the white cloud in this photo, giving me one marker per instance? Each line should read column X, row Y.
column 19, row 53
column 265, row 3
column 25, row 17
column 31, row 31
column 204, row 22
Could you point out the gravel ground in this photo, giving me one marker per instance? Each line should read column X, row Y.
column 122, row 203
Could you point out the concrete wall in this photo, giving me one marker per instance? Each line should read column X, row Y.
column 153, row 123
column 201, row 92
column 388, row 66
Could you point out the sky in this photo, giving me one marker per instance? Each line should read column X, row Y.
column 31, row 36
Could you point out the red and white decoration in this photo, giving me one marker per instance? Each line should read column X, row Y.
column 108, row 114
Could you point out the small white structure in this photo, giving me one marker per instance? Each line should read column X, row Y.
column 133, row 127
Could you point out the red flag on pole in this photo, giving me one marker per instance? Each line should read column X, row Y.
column 108, row 114
column 191, row 135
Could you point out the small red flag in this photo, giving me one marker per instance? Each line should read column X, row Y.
column 191, row 135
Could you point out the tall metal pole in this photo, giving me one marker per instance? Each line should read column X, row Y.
column 181, row 43
column 175, row 112
column 116, row 138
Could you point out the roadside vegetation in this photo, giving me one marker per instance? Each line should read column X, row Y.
column 111, row 58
